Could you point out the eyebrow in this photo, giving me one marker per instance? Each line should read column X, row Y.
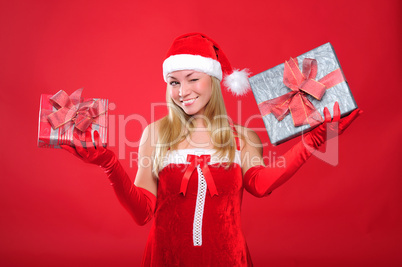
column 189, row 74
column 171, row 76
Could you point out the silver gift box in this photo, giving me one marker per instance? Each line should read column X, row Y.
column 269, row 84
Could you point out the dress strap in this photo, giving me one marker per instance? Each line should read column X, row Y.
column 236, row 136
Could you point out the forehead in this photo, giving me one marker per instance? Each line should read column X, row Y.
column 183, row 74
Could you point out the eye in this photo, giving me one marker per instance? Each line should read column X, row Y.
column 194, row 80
column 173, row 83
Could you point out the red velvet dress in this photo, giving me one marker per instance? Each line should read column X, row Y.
column 197, row 220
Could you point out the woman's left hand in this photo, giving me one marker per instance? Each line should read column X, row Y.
column 330, row 127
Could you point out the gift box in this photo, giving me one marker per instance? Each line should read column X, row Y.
column 61, row 115
column 291, row 96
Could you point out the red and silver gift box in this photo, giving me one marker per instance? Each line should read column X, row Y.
column 61, row 115
column 292, row 96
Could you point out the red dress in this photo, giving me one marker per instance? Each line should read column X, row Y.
column 197, row 220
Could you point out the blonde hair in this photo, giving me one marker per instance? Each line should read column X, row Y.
column 177, row 125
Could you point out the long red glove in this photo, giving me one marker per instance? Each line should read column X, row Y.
column 139, row 202
column 261, row 181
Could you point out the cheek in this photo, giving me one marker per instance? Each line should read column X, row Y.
column 206, row 89
column 174, row 93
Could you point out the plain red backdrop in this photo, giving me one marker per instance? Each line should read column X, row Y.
column 58, row 211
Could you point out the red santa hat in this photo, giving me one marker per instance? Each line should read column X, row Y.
column 196, row 51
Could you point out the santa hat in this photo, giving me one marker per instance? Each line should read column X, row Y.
column 196, row 51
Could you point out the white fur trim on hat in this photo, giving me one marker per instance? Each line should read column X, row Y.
column 237, row 82
column 192, row 62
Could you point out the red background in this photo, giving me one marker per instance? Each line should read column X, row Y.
column 58, row 211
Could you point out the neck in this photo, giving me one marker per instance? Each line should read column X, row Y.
column 200, row 121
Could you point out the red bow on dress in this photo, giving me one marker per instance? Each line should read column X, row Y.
column 301, row 84
column 194, row 162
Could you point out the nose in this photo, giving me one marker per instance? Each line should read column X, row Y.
column 184, row 90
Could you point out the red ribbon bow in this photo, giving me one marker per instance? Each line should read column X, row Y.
column 301, row 84
column 194, row 162
column 72, row 110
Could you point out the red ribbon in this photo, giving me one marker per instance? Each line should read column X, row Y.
column 72, row 110
column 194, row 162
column 301, row 84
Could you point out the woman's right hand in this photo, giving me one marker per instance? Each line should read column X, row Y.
column 92, row 153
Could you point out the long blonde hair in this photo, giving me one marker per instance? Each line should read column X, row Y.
column 177, row 125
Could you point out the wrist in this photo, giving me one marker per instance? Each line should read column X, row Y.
column 309, row 141
column 110, row 165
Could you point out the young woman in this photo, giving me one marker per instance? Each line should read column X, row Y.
column 194, row 163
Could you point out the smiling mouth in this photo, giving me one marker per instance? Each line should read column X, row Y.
column 189, row 101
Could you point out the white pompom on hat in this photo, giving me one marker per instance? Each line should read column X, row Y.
column 196, row 51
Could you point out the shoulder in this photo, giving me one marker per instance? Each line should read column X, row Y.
column 153, row 126
column 247, row 134
column 250, row 139
column 150, row 133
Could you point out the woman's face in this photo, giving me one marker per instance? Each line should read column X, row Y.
column 191, row 90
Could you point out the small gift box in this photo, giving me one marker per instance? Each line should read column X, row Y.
column 292, row 96
column 61, row 115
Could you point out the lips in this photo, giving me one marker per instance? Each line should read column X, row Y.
column 189, row 101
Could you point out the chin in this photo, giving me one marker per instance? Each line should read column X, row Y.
column 190, row 113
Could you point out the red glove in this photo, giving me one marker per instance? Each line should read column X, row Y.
column 92, row 153
column 330, row 128
column 261, row 181
column 139, row 202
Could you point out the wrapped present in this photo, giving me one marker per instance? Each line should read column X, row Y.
column 61, row 115
column 292, row 96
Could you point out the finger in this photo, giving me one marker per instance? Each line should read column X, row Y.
column 78, row 147
column 337, row 112
column 327, row 115
column 98, row 142
column 88, row 142
column 353, row 115
column 346, row 121
column 96, row 139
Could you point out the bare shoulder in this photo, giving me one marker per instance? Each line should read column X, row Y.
column 153, row 126
column 248, row 135
column 150, row 134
